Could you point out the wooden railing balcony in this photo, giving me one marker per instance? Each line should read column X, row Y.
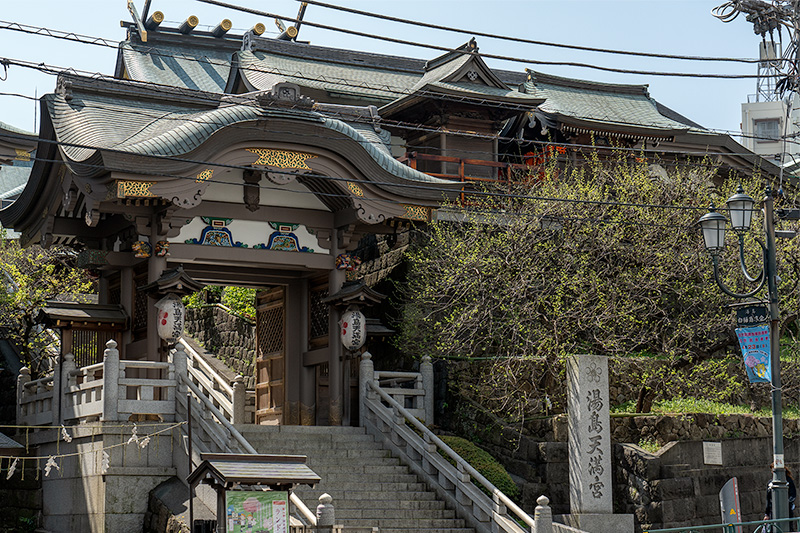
column 504, row 171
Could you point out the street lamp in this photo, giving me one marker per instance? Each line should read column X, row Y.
column 740, row 207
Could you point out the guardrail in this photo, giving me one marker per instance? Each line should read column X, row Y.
column 736, row 527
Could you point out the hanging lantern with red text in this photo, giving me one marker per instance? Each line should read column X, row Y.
column 354, row 329
column 171, row 314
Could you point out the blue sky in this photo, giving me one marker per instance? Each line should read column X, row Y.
column 674, row 27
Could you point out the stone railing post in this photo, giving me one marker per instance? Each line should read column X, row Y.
column 239, row 397
column 68, row 371
column 426, row 369
column 65, row 374
column 325, row 513
column 181, row 369
column 543, row 516
column 365, row 375
column 23, row 379
column 110, row 381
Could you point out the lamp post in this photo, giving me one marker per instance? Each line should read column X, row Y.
column 740, row 207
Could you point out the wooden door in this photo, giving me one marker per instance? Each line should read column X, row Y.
column 270, row 356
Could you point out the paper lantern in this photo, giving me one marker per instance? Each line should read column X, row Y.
column 170, row 317
column 354, row 329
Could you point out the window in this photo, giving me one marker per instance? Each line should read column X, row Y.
column 768, row 130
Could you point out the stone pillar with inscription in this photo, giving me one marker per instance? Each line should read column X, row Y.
column 590, row 449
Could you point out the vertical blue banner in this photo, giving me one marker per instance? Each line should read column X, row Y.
column 755, row 349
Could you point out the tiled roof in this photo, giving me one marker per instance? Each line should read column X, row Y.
column 615, row 106
column 202, row 69
column 262, row 70
column 143, row 126
column 13, row 178
column 13, row 129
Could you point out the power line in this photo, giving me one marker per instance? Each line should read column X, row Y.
column 56, row 70
column 498, row 195
column 417, row 127
column 490, row 56
column 479, row 33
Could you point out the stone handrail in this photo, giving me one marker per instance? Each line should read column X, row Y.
column 412, row 398
column 455, row 481
column 237, row 404
column 34, row 399
column 96, row 392
column 211, row 427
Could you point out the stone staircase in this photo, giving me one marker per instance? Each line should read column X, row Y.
column 369, row 487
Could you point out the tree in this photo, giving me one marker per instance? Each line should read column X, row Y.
column 30, row 277
column 602, row 257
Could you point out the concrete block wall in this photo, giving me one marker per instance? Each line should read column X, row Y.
column 79, row 498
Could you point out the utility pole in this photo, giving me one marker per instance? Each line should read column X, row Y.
column 771, row 17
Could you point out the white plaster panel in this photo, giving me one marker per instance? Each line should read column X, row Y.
column 248, row 232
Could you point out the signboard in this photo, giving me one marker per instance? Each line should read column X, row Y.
column 752, row 315
column 712, row 453
column 256, row 511
column 729, row 504
column 756, row 352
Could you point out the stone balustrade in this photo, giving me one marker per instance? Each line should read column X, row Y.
column 110, row 391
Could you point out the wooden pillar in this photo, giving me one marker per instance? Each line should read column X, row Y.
column 295, row 346
column 336, row 279
column 308, row 385
column 443, row 152
column 155, row 267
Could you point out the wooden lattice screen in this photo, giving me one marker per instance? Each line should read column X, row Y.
column 318, row 312
column 140, row 300
column 271, row 356
column 88, row 345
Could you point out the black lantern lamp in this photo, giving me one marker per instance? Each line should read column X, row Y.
column 740, row 206
column 713, row 225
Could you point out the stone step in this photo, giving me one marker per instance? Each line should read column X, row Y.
column 294, row 447
column 421, row 524
column 392, row 513
column 355, row 497
column 336, row 478
column 369, row 487
column 327, row 462
column 374, row 486
column 434, row 530
column 358, row 470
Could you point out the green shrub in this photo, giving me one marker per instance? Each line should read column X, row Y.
column 240, row 300
column 484, row 463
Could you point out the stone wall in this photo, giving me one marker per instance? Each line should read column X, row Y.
column 229, row 337
column 670, row 488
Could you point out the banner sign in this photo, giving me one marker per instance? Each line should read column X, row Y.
column 752, row 315
column 257, row 511
column 756, row 351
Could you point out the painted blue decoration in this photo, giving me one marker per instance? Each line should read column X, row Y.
column 756, row 352
column 283, row 239
column 216, row 236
